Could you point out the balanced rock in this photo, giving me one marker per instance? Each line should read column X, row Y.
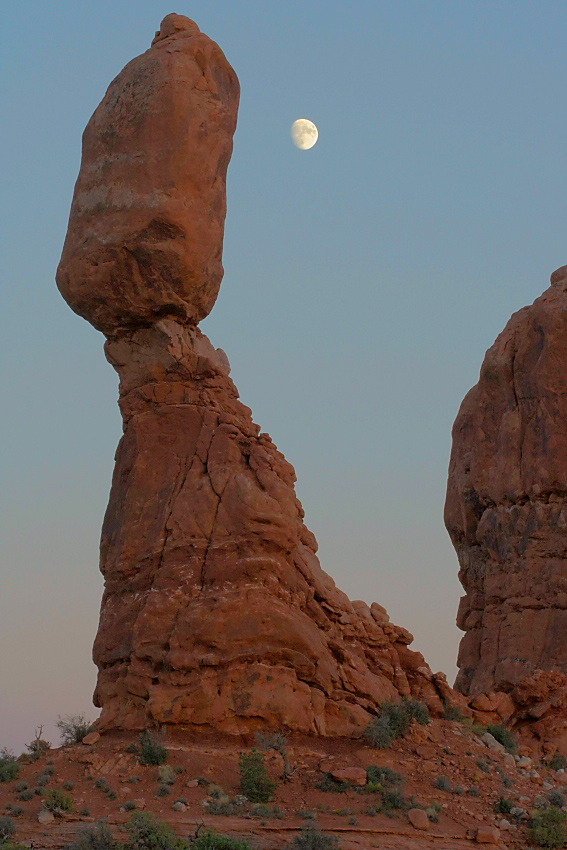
column 147, row 220
column 216, row 613
column 506, row 507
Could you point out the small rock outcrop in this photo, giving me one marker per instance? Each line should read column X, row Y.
column 506, row 507
column 216, row 612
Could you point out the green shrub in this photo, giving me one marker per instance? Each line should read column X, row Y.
column 473, row 791
column 15, row 811
column 20, row 786
column 385, row 776
column 151, row 751
column 9, row 845
column 482, row 765
column 73, row 728
column 26, row 796
column 130, row 805
column 163, row 790
column 504, row 737
column 392, row 800
column 261, row 810
column 68, row 786
column 9, row 766
column 442, row 783
column 224, row 806
column 379, row 733
column 102, row 785
column 208, row 839
column 416, row 710
column 432, row 812
column 312, row 838
column 547, row 828
column 254, row 781
column 329, row 783
column 503, row 806
column 452, row 712
column 96, row 837
column 85, row 812
column 458, row 790
column 56, row 801
column 111, row 795
column 394, row 721
column 149, row 833
column 507, row 782
column 7, row 828
column 558, row 762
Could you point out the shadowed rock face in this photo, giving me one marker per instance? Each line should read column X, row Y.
column 506, row 507
column 216, row 612
column 147, row 220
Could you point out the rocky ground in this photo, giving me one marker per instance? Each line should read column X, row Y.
column 446, row 769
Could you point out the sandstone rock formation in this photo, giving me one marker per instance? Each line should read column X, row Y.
column 506, row 508
column 216, row 612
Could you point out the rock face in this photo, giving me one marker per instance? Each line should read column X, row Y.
column 506, row 508
column 216, row 612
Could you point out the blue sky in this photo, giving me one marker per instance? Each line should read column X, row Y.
column 364, row 280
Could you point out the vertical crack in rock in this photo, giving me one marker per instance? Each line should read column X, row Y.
column 216, row 613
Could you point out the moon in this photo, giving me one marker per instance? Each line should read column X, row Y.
column 304, row 133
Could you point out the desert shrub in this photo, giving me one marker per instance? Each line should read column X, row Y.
column 26, row 795
column 68, row 786
column 482, row 765
column 9, row 845
column 556, row 798
column 16, row 811
column 216, row 792
column 394, row 721
column 20, row 786
column 442, row 783
column 208, row 839
column 38, row 746
column 9, row 767
column 352, row 821
column 452, row 712
column 202, row 782
column 415, row 709
column 133, row 780
column 48, row 770
column 458, row 790
column 503, row 736
column 306, row 814
column 503, row 806
column 432, row 812
column 261, row 810
column 166, row 774
column 558, row 762
column 392, row 800
column 7, row 828
column 111, row 795
column 130, row 805
column 379, row 733
column 146, row 832
column 151, row 751
column 385, row 776
column 132, row 749
column 547, row 828
column 163, row 790
column 73, row 728
column 311, row 838
column 329, row 783
column 473, row 791
column 372, row 811
column 507, row 782
column 56, row 801
column 85, row 811
column 255, row 783
column 102, row 785
column 43, row 780
column 96, row 837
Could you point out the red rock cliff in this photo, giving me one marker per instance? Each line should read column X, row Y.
column 216, row 612
column 506, row 508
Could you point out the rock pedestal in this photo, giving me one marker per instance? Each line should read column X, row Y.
column 216, row 613
column 506, row 507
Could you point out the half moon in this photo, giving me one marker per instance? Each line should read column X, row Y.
column 304, row 133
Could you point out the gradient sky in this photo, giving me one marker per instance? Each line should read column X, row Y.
column 364, row 280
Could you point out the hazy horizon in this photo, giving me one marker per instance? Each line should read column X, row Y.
column 364, row 280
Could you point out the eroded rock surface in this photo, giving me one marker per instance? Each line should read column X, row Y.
column 506, row 508
column 216, row 612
